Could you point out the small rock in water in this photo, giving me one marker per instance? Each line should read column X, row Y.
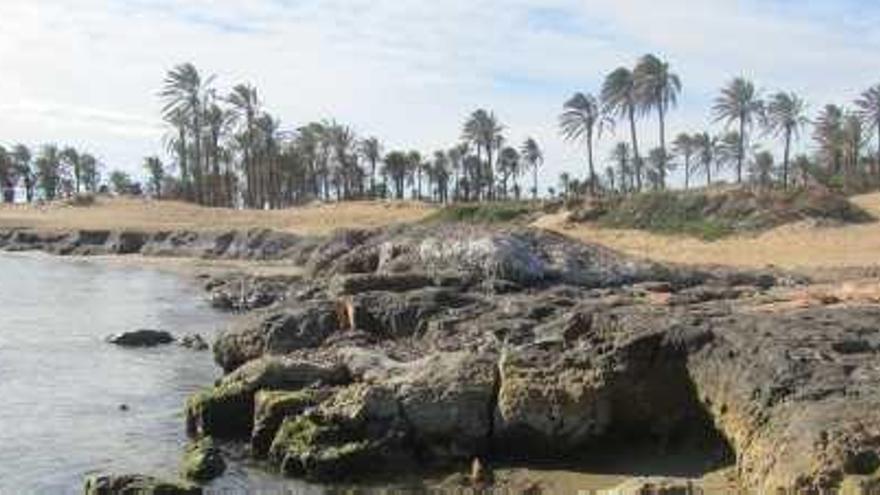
column 194, row 342
column 123, row 407
column 141, row 338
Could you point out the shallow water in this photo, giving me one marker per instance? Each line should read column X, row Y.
column 61, row 385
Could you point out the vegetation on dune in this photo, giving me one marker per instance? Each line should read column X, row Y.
column 712, row 215
column 483, row 213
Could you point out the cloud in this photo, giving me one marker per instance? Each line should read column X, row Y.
column 408, row 71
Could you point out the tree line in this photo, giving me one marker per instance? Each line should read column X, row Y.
column 228, row 150
column 840, row 134
column 52, row 172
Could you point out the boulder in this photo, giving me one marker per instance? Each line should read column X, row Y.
column 357, row 433
column 141, row 338
column 655, row 486
column 227, row 409
column 136, row 484
column 202, row 461
column 272, row 407
column 277, row 331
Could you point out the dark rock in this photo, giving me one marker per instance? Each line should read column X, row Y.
column 194, row 342
column 141, row 338
column 136, row 484
column 202, row 461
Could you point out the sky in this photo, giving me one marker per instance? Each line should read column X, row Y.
column 87, row 72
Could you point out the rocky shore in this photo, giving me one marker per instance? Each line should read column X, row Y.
column 426, row 347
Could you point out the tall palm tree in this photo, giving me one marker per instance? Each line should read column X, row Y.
column 7, row 177
column 706, row 148
column 90, row 174
column 853, row 142
column 582, row 118
column 21, row 155
column 484, row 130
column 868, row 106
column 658, row 89
column 534, row 158
column 828, row 133
column 685, row 146
column 371, row 150
column 622, row 156
column 183, row 93
column 786, row 116
column 620, row 98
column 739, row 103
column 156, row 174
column 509, row 168
column 246, row 107
column 49, row 171
column 70, row 158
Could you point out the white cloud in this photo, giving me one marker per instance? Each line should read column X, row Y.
column 87, row 71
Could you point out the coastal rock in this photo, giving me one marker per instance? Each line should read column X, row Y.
column 195, row 342
column 447, row 400
column 141, row 338
column 202, row 461
column 272, row 407
column 277, row 331
column 655, row 486
column 356, row 434
column 227, row 409
column 131, row 484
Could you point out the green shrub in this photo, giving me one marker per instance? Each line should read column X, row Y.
column 482, row 213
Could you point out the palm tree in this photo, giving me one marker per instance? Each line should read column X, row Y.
column 246, row 106
column 565, row 183
column 762, row 169
column 853, row 140
column 396, row 167
column 620, row 98
column 484, row 131
column 658, row 88
column 156, row 173
column 534, row 158
column 786, row 116
column 580, row 119
column 183, row 93
column 621, row 156
column 70, row 158
column 49, row 171
column 21, row 155
column 706, row 147
column 90, row 175
column 7, row 175
column 739, row 103
column 869, row 110
column 685, row 146
column 371, row 150
column 509, row 167
column 828, row 132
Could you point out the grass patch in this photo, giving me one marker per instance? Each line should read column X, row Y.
column 488, row 213
column 712, row 215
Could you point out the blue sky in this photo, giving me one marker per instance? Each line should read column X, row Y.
column 86, row 72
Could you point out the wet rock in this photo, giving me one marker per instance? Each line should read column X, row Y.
column 141, row 338
column 130, row 484
column 202, row 461
column 194, row 342
column 227, row 409
column 655, row 486
column 272, row 407
column 358, row 433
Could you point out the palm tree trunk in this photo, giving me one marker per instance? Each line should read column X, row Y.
column 662, row 146
column 590, row 161
column 742, row 148
column 635, row 144
column 535, row 181
column 785, row 158
column 687, row 171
